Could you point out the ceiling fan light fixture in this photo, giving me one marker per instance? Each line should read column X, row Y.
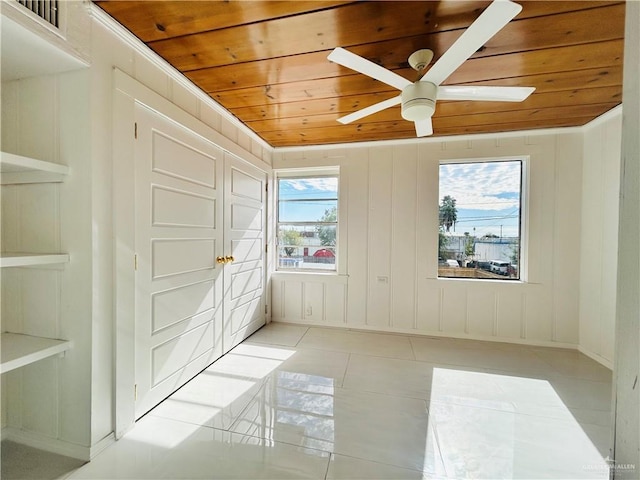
column 419, row 101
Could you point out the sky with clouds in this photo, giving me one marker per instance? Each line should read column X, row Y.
column 306, row 199
column 487, row 196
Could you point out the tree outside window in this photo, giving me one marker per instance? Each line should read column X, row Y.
column 448, row 212
column 327, row 234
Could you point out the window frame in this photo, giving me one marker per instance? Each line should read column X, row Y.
column 524, row 215
column 304, row 173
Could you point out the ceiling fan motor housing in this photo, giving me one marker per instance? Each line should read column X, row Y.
column 419, row 101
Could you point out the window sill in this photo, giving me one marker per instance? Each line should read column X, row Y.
column 479, row 281
column 310, row 274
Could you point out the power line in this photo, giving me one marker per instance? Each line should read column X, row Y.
column 515, row 213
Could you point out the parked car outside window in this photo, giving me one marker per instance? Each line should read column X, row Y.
column 501, row 268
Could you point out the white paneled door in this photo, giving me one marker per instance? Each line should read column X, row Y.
column 244, row 242
column 188, row 306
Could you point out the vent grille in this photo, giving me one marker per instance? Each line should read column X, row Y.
column 45, row 9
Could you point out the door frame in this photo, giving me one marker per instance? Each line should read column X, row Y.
column 126, row 93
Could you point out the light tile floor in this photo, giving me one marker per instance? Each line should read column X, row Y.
column 298, row 402
column 19, row 462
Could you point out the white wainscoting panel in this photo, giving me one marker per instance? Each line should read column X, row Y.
column 599, row 234
column 355, row 176
column 309, row 298
column 379, row 242
column 481, row 312
column 405, row 243
column 509, row 314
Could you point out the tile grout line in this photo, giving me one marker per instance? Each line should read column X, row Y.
column 302, row 336
column 413, row 351
column 326, row 472
column 344, row 375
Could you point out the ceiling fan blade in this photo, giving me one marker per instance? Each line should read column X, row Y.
column 491, row 94
column 370, row 110
column 424, row 128
column 359, row 64
column 490, row 22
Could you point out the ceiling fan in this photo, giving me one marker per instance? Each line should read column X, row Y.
column 418, row 99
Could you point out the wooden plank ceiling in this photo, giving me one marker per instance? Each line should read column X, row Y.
column 266, row 61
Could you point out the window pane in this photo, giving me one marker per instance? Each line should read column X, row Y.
column 308, row 188
column 479, row 221
column 307, row 211
column 309, row 247
column 307, row 222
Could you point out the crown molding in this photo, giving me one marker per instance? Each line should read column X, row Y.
column 429, row 140
column 605, row 117
column 455, row 138
column 139, row 46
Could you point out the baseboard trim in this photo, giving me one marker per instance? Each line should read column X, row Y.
column 101, row 445
column 401, row 331
column 47, row 444
column 605, row 362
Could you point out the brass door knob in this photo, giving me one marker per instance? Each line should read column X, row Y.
column 229, row 258
column 221, row 260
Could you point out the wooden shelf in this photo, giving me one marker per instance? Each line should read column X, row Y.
column 19, row 350
column 16, row 169
column 14, row 259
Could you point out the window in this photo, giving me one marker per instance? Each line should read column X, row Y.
column 480, row 211
column 307, row 217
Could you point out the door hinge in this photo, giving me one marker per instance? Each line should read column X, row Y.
column 266, row 247
column 266, row 186
column 135, row 392
column 135, row 261
column 266, row 309
column 135, row 130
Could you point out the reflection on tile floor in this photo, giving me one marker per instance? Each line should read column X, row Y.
column 298, row 402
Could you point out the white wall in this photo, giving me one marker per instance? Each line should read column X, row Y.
column 599, row 236
column 627, row 357
column 389, row 207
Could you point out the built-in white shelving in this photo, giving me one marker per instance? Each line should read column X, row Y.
column 19, row 350
column 15, row 259
column 41, row 67
column 16, row 169
column 30, row 49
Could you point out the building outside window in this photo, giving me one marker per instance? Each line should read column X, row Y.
column 307, row 222
column 480, row 220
